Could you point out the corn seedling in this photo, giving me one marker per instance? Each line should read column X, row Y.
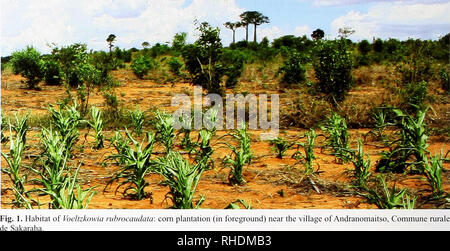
column 361, row 164
column 280, row 146
column 69, row 194
column 380, row 123
column 165, row 132
column 308, row 154
column 137, row 119
column 242, row 156
column 186, row 123
column 433, row 174
column 66, row 123
column 21, row 127
column 413, row 142
column 3, row 124
column 97, row 124
column 136, row 166
column 390, row 198
column 202, row 148
column 182, row 178
column 338, row 138
column 54, row 165
column 235, row 205
column 14, row 161
column 121, row 145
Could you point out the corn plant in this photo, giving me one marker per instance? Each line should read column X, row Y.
column 137, row 119
column 380, row 118
column 203, row 149
column 55, row 152
column 186, row 123
column 182, row 177
column 411, row 149
column 433, row 174
column 390, row 198
column 66, row 123
column 70, row 195
column 165, row 132
column 307, row 154
column 14, row 161
column 338, row 138
column 21, row 127
column 97, row 124
column 242, row 155
column 121, row 145
column 54, row 166
column 361, row 163
column 3, row 125
column 136, row 166
column 280, row 146
column 235, row 205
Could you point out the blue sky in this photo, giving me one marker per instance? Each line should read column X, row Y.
column 62, row 22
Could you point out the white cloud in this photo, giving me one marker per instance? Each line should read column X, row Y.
column 303, row 30
column 350, row 2
column 38, row 22
column 399, row 20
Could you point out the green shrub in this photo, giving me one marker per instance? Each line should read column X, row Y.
column 142, row 65
column 202, row 59
column 53, row 74
column 72, row 59
column 233, row 62
column 29, row 64
column 175, row 66
column 293, row 70
column 444, row 79
column 415, row 94
column 333, row 69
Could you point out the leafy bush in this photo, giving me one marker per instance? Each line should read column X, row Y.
column 71, row 59
column 415, row 94
column 293, row 70
column 444, row 79
column 202, row 59
column 142, row 65
column 233, row 62
column 334, row 70
column 175, row 66
column 29, row 64
column 53, row 74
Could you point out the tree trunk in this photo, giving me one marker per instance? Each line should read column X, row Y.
column 255, row 34
column 234, row 36
column 246, row 33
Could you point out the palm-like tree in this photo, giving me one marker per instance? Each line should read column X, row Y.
column 111, row 38
column 233, row 27
column 253, row 17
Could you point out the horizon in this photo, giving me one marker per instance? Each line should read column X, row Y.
column 138, row 21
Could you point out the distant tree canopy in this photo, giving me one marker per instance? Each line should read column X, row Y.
column 318, row 34
column 110, row 40
column 253, row 17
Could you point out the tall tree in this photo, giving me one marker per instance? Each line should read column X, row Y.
column 145, row 45
column 253, row 17
column 111, row 38
column 318, row 34
column 233, row 27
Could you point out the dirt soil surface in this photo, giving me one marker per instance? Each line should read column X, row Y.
column 271, row 183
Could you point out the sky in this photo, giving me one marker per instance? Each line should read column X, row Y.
column 41, row 23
